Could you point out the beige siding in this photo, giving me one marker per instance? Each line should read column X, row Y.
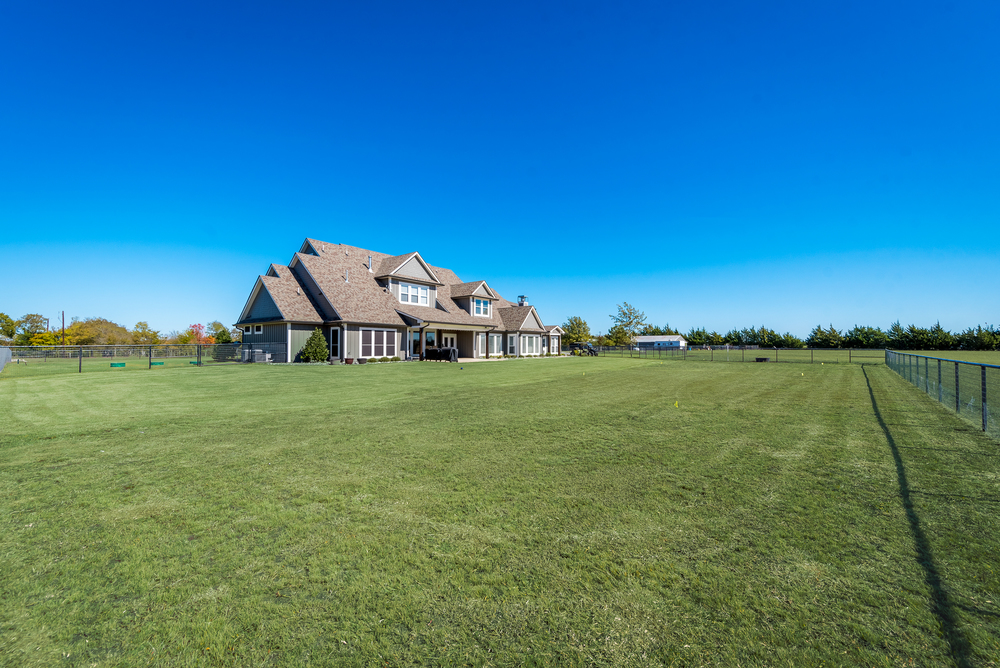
column 413, row 269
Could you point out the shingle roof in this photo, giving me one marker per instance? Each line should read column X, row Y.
column 391, row 263
column 468, row 289
column 341, row 272
column 291, row 300
column 514, row 318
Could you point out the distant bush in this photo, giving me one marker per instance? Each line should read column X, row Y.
column 395, row 359
column 383, row 359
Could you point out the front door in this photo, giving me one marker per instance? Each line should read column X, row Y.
column 448, row 341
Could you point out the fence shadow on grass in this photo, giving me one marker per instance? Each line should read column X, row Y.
column 941, row 604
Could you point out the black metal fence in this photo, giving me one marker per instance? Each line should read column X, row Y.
column 968, row 387
column 750, row 354
column 46, row 360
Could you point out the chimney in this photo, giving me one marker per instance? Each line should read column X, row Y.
column 522, row 300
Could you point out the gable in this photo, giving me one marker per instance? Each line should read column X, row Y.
column 481, row 291
column 532, row 321
column 263, row 307
column 413, row 269
column 308, row 248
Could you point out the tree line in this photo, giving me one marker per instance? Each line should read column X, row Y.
column 629, row 322
column 32, row 330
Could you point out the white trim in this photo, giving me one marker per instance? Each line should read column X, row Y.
column 423, row 293
column 385, row 344
column 479, row 305
column 288, row 342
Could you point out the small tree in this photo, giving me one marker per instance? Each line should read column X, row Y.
column 577, row 330
column 315, row 348
column 630, row 320
column 143, row 334
column 219, row 332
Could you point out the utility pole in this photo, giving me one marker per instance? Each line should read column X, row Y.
column 64, row 328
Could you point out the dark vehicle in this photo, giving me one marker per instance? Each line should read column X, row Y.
column 584, row 348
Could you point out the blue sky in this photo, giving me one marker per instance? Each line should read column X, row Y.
column 719, row 164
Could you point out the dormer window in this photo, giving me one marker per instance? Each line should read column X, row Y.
column 483, row 307
column 413, row 294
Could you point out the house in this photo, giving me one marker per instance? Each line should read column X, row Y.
column 369, row 304
column 670, row 342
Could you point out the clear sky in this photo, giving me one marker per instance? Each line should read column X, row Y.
column 717, row 164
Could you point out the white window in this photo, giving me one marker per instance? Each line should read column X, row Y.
column 511, row 345
column 483, row 307
column 496, row 344
column 413, row 294
column 378, row 343
column 247, row 329
column 258, row 329
column 531, row 345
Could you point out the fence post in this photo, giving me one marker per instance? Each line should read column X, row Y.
column 927, row 379
column 199, row 354
column 81, row 359
column 983, row 370
column 151, row 357
column 711, row 354
column 940, row 389
column 958, row 402
column 848, row 355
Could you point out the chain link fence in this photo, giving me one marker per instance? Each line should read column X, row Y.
column 967, row 387
column 750, row 354
column 52, row 360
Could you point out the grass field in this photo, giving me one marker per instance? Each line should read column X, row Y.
column 535, row 512
column 55, row 366
column 975, row 356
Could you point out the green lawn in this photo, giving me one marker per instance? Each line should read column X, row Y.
column 533, row 512
column 975, row 356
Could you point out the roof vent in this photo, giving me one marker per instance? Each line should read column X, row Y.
column 298, row 291
column 347, row 276
column 369, row 263
column 522, row 300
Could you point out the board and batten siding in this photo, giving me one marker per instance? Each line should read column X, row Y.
column 301, row 334
column 352, row 340
column 274, row 333
column 263, row 307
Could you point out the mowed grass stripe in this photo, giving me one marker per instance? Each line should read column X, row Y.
column 548, row 511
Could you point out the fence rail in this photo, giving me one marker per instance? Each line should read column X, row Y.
column 750, row 354
column 47, row 360
column 967, row 386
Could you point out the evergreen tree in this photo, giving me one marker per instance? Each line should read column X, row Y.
column 315, row 348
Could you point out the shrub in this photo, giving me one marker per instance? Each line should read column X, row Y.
column 383, row 359
column 372, row 360
column 395, row 359
column 315, row 348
